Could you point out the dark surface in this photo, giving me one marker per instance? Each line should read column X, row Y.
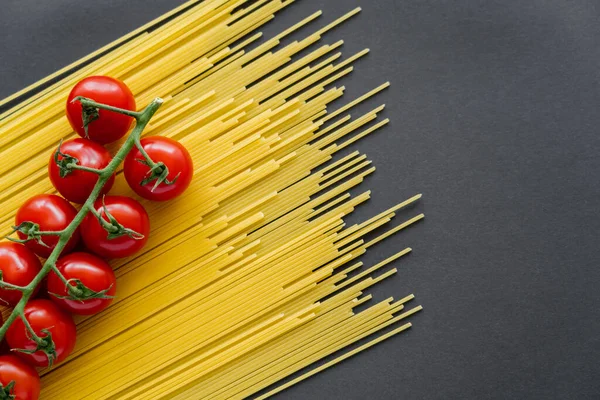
column 494, row 109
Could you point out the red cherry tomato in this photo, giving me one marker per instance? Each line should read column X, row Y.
column 43, row 315
column 51, row 213
column 93, row 272
column 77, row 185
column 19, row 266
column 109, row 126
column 25, row 377
column 173, row 155
column 130, row 214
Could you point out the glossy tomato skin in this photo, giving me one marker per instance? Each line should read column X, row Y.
column 26, row 378
column 173, row 155
column 51, row 213
column 129, row 213
column 110, row 126
column 78, row 185
column 43, row 314
column 93, row 272
column 19, row 266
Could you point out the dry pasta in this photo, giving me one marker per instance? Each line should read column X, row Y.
column 252, row 274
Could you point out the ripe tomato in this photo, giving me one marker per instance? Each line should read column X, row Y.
column 43, row 315
column 128, row 213
column 109, row 126
column 173, row 155
column 25, row 377
column 77, row 185
column 93, row 272
column 51, row 213
column 19, row 266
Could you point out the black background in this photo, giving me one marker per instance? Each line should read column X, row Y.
column 494, row 108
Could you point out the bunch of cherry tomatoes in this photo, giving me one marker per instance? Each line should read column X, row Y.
column 83, row 259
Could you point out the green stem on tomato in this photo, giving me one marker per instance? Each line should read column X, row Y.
column 50, row 233
column 89, row 103
column 84, row 168
column 148, row 159
column 158, row 170
column 142, row 119
column 34, row 336
column 110, row 228
column 70, row 288
column 6, row 391
column 10, row 286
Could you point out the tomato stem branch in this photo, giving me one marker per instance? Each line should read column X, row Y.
column 10, row 286
column 105, row 224
column 158, row 171
column 70, row 288
column 50, row 233
column 142, row 119
column 84, row 168
column 89, row 103
column 148, row 159
column 34, row 336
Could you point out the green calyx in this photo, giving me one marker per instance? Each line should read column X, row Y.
column 6, row 391
column 80, row 292
column 113, row 227
column 158, row 172
column 64, row 161
column 44, row 344
column 89, row 113
column 29, row 229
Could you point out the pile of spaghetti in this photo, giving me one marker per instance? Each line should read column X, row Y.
column 251, row 275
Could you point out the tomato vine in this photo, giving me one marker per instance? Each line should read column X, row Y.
column 45, row 342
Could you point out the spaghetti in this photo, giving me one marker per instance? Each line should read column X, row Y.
column 251, row 275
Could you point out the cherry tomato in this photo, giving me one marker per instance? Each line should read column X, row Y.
column 128, row 213
column 109, row 126
column 43, row 315
column 173, row 155
column 93, row 272
column 25, row 377
column 51, row 213
column 19, row 266
column 77, row 185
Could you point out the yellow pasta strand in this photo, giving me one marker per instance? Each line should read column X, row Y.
column 252, row 273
